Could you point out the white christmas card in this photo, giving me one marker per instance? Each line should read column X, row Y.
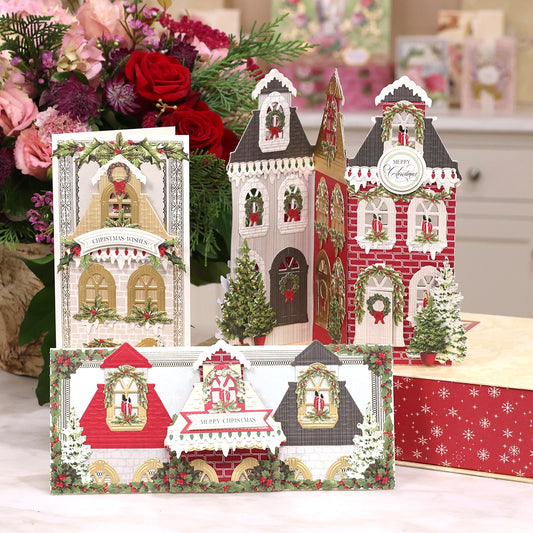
column 122, row 238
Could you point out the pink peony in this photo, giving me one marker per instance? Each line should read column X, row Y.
column 435, row 83
column 79, row 54
column 51, row 121
column 17, row 110
column 103, row 18
column 32, row 156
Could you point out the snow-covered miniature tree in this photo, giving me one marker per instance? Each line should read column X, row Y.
column 447, row 300
column 73, row 450
column 368, row 446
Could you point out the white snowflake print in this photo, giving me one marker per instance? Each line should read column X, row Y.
column 508, row 407
column 507, row 433
column 443, row 393
column 519, row 473
column 423, row 441
column 426, row 408
column 397, row 384
column 398, row 451
column 437, row 431
column 446, row 463
column 474, row 392
column 514, row 450
column 483, row 454
column 417, row 454
column 452, row 412
column 468, row 434
column 441, row 449
column 494, row 392
column 504, row 458
column 484, row 423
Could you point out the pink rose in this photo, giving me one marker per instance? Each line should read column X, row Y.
column 17, row 110
column 32, row 156
column 103, row 18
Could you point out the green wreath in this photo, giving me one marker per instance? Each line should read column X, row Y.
column 293, row 193
column 249, row 204
column 373, row 299
column 126, row 371
column 118, row 165
column 208, row 383
column 317, row 369
column 289, row 278
column 400, row 107
column 270, row 118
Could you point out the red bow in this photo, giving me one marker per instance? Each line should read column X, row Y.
column 293, row 214
column 378, row 317
column 120, row 187
column 274, row 132
column 289, row 296
column 254, row 219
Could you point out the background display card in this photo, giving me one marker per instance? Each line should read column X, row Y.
column 122, row 238
column 221, row 419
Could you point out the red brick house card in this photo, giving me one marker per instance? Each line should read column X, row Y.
column 122, row 238
column 221, row 419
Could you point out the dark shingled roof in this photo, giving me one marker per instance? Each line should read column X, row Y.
column 316, row 353
column 435, row 153
column 248, row 147
column 342, row 434
column 402, row 93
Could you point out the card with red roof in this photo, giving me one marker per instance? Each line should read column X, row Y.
column 221, row 418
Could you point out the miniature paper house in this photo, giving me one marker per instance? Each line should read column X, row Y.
column 121, row 239
column 401, row 215
column 272, row 177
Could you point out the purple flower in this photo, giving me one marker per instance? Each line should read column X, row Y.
column 184, row 52
column 120, row 96
column 73, row 98
column 48, row 59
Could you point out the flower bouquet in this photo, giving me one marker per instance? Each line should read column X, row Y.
column 107, row 65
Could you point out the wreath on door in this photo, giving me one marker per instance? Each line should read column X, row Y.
column 254, row 208
column 378, row 315
column 289, row 285
column 292, row 204
column 275, row 130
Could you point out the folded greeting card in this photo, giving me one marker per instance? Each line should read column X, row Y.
column 221, row 419
column 122, row 238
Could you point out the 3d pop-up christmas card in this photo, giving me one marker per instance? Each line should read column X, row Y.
column 122, row 238
column 221, row 419
column 343, row 251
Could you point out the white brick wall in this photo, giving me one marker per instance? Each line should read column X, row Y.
column 317, row 458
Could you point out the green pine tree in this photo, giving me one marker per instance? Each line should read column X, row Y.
column 336, row 316
column 73, row 450
column 447, row 299
column 430, row 333
column 241, row 313
column 262, row 319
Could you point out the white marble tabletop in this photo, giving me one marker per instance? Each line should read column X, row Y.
column 423, row 500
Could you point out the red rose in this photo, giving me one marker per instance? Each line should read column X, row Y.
column 157, row 76
column 205, row 128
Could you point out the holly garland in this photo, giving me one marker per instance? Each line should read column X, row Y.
column 225, row 407
column 381, row 192
column 101, row 343
column 398, row 291
column 329, row 149
column 148, row 314
column 322, row 232
column 121, row 221
column 289, row 285
column 401, row 107
column 378, row 315
column 338, row 239
column 222, row 373
column 136, row 152
column 172, row 256
column 123, row 420
column 73, row 249
column 427, row 238
column 317, row 370
column 99, row 311
column 125, row 371
column 377, row 236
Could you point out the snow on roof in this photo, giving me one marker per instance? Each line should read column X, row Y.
column 407, row 82
column 274, row 74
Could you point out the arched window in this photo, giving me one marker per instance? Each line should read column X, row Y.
column 322, row 203
column 318, row 405
column 254, row 209
column 97, row 281
column 274, row 123
column 322, row 289
column 125, row 400
column 337, row 232
column 292, row 206
column 426, row 226
column 376, row 224
column 146, row 283
column 420, row 288
column 119, row 198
